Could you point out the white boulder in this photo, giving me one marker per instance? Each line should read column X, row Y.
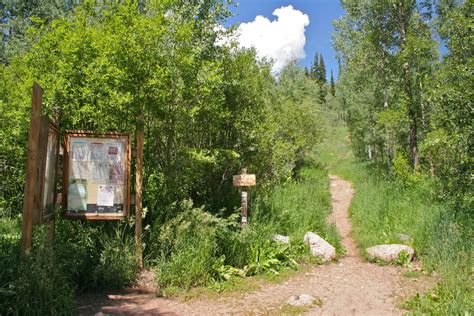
column 390, row 252
column 319, row 247
column 301, row 300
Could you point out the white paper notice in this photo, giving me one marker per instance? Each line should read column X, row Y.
column 97, row 152
column 79, row 151
column 106, row 195
column 80, row 170
column 100, row 172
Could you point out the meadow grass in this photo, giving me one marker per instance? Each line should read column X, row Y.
column 383, row 208
column 85, row 256
column 199, row 249
column 297, row 207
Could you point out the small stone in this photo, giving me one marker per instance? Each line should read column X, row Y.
column 319, row 247
column 301, row 300
column 281, row 239
column 390, row 253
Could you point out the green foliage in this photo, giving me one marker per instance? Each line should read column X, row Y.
column 209, row 109
column 41, row 286
column 192, row 263
column 98, row 256
column 116, row 267
column 322, row 70
column 36, row 285
column 449, row 142
column 332, row 86
column 403, row 173
column 197, row 248
column 295, row 208
column 86, row 257
column 401, row 99
column 383, row 207
column 269, row 257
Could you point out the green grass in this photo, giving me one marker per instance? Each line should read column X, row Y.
column 86, row 256
column 198, row 249
column 383, row 208
column 295, row 208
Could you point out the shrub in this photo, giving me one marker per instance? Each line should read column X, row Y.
column 117, row 266
column 39, row 287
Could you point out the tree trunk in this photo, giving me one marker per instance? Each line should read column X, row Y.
column 385, row 105
column 412, row 133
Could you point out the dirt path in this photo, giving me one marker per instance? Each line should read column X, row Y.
column 348, row 287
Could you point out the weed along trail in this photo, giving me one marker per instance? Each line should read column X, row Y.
column 350, row 286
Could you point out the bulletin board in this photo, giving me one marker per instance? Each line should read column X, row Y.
column 96, row 177
column 48, row 157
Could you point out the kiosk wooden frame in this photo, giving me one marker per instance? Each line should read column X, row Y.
column 97, row 215
column 48, row 162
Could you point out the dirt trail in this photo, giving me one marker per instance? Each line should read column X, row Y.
column 348, row 287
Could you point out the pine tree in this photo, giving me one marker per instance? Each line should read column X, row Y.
column 332, row 89
column 322, row 70
column 315, row 67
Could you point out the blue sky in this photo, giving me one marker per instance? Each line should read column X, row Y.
column 321, row 13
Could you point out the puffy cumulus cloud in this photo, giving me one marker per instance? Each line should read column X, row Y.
column 282, row 39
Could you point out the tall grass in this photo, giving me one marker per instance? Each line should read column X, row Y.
column 86, row 256
column 384, row 207
column 198, row 248
column 297, row 207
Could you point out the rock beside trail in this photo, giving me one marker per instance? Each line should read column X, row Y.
column 281, row 238
column 390, row 253
column 301, row 300
column 319, row 247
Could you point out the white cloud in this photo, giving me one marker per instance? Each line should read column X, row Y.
column 282, row 39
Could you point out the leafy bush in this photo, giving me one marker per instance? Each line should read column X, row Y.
column 192, row 263
column 37, row 285
column 198, row 248
column 186, row 247
column 117, row 264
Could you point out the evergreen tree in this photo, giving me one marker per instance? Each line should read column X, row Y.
column 315, row 67
column 306, row 72
column 322, row 93
column 322, row 70
column 332, row 89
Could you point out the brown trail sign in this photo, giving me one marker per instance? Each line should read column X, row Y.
column 244, row 181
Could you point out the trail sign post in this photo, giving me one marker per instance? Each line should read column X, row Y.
column 138, row 191
column 243, row 181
